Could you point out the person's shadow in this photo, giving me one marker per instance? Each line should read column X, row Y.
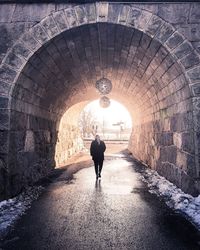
column 98, row 185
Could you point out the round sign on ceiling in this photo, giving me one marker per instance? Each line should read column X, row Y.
column 104, row 85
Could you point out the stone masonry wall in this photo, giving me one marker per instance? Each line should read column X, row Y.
column 31, row 152
column 165, row 98
column 167, row 146
column 69, row 139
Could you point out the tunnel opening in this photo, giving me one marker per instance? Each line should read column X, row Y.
column 111, row 123
column 81, row 122
column 146, row 78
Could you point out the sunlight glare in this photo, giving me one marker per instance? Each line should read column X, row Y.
column 114, row 114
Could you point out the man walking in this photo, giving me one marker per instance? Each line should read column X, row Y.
column 97, row 150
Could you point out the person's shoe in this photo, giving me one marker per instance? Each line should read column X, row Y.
column 99, row 176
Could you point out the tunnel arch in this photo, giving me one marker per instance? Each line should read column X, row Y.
column 161, row 79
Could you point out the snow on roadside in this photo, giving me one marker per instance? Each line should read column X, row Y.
column 174, row 197
column 12, row 209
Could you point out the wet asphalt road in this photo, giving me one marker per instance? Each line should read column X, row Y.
column 117, row 212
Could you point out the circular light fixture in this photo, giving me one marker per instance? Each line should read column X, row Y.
column 104, row 86
column 104, row 102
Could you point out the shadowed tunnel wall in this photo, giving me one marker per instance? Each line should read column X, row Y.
column 54, row 65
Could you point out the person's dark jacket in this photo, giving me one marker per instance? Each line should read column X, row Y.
column 97, row 150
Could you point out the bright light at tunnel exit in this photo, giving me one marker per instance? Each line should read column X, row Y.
column 112, row 115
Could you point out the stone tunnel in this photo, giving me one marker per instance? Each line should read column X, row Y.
column 51, row 56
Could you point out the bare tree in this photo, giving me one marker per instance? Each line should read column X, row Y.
column 87, row 123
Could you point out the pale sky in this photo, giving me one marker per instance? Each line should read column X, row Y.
column 116, row 112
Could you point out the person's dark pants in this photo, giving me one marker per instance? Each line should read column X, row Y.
column 98, row 164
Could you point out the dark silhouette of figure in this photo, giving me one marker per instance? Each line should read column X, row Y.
column 97, row 150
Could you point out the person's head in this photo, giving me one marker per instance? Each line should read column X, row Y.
column 97, row 137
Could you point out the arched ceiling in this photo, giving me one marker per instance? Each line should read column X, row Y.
column 63, row 72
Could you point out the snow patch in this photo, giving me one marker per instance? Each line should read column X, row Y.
column 12, row 209
column 174, row 197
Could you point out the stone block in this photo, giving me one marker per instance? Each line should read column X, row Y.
column 3, row 102
column 143, row 20
column 168, row 154
column 4, row 141
column 191, row 32
column 174, row 40
column 187, row 183
column 194, row 13
column 196, row 103
column 164, row 32
column 161, row 55
column 191, row 165
column 164, row 139
column 113, row 12
column 190, row 60
column 181, row 122
column 170, row 172
column 102, row 11
column 196, row 45
column 90, row 12
column 14, row 61
column 6, row 12
column 32, row 12
column 153, row 48
column 39, row 34
column 81, row 15
column 182, row 50
column 18, row 121
column 195, row 89
column 174, row 13
column 4, row 119
column 9, row 34
column 71, row 17
column 146, row 6
column 17, row 140
column 61, row 20
column 154, row 24
column 123, row 14
column 7, row 74
column 177, row 140
column 188, row 142
column 20, row 49
column 133, row 16
column 4, row 88
column 194, row 74
column 29, row 144
column 181, row 160
column 173, row 73
column 166, row 125
column 30, row 41
column 145, row 41
column 179, row 82
column 3, row 178
column 50, row 26
column 167, row 63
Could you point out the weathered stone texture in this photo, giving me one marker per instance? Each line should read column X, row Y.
column 69, row 136
column 31, row 150
column 10, row 32
column 3, row 179
column 6, row 12
column 194, row 13
column 143, row 49
column 174, row 13
column 194, row 74
column 4, row 119
column 31, row 12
